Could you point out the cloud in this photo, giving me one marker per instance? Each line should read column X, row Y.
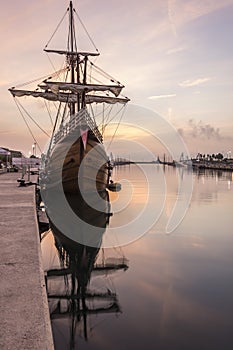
column 176, row 50
column 200, row 130
column 195, row 82
column 7, row 132
column 156, row 97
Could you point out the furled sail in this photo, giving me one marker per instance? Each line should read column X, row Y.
column 72, row 53
column 76, row 88
column 107, row 99
column 67, row 97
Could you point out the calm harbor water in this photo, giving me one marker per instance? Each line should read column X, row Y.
column 177, row 290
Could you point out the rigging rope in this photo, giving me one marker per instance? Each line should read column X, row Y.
column 54, row 127
column 64, row 113
column 118, row 112
column 109, row 114
column 91, row 40
column 33, row 119
column 48, row 110
column 47, row 76
column 98, row 69
column 16, row 102
column 65, row 107
column 115, row 130
column 56, row 72
column 108, row 120
column 57, row 28
column 75, row 42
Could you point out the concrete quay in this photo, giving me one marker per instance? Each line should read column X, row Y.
column 25, row 322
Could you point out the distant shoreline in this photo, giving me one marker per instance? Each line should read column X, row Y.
column 226, row 164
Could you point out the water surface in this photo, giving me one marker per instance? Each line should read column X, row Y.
column 177, row 290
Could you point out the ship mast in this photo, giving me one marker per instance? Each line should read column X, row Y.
column 73, row 59
column 76, row 92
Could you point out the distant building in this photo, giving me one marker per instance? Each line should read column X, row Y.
column 32, row 161
column 10, row 152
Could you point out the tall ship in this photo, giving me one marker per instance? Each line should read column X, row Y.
column 76, row 156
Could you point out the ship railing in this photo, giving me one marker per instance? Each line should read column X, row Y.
column 76, row 120
column 92, row 125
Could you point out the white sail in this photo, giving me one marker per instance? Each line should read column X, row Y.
column 56, row 86
column 68, row 97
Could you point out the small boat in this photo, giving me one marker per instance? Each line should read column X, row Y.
column 76, row 156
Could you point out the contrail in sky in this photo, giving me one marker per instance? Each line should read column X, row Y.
column 171, row 5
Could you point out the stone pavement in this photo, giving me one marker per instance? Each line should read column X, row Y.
column 24, row 314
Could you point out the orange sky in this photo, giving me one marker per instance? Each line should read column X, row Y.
column 174, row 57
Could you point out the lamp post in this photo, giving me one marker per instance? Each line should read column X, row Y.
column 34, row 149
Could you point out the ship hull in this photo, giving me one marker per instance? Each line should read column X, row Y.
column 77, row 165
column 85, row 168
column 75, row 179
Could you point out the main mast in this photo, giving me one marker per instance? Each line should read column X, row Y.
column 73, row 60
column 75, row 92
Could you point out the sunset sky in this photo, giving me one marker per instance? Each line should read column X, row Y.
column 175, row 57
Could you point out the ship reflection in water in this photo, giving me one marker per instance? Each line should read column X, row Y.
column 77, row 280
